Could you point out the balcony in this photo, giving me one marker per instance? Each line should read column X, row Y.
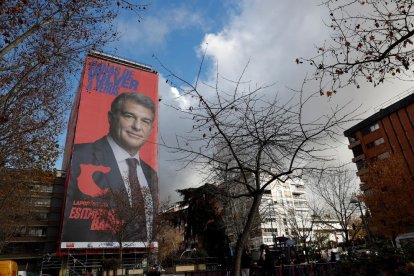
column 298, row 198
column 359, row 157
column 363, row 186
column 354, row 144
column 362, row 171
column 299, row 190
column 33, row 238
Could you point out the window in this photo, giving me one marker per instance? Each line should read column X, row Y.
column 300, row 204
column 375, row 143
column 360, row 164
column 40, row 216
column 384, row 155
column 357, row 151
column 352, row 139
column 37, row 232
column 41, row 202
column 41, row 188
column 370, row 129
column 374, row 127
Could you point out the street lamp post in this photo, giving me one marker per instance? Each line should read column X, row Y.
column 355, row 200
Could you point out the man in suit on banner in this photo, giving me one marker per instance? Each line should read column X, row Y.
column 112, row 166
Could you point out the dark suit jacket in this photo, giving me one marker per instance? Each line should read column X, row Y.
column 100, row 153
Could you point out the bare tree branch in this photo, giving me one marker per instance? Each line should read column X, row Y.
column 370, row 41
column 250, row 139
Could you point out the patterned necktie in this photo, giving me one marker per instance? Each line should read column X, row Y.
column 138, row 202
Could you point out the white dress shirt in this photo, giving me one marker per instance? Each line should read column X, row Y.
column 121, row 156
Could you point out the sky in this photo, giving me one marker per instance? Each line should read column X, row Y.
column 267, row 34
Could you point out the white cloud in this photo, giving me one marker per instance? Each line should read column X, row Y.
column 271, row 34
column 172, row 175
column 153, row 31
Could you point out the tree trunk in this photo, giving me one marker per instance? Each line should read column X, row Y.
column 394, row 239
column 121, row 247
column 346, row 237
column 241, row 242
column 306, row 250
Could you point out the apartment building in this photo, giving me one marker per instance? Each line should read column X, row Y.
column 388, row 131
column 39, row 235
column 281, row 204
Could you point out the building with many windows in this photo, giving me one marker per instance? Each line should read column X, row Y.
column 37, row 236
column 283, row 205
column 389, row 131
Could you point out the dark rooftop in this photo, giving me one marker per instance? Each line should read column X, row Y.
column 122, row 61
column 380, row 114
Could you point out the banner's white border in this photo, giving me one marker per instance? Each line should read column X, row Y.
column 86, row 245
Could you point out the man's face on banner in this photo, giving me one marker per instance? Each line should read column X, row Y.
column 131, row 126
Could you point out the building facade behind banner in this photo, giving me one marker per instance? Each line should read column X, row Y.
column 93, row 217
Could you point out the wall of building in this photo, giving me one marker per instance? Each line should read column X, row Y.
column 39, row 237
column 389, row 131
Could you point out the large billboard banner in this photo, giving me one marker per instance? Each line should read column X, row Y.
column 112, row 186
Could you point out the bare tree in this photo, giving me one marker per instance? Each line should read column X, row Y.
column 170, row 233
column 254, row 140
column 335, row 189
column 236, row 211
column 42, row 44
column 301, row 223
column 371, row 40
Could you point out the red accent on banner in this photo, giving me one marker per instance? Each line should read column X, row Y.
column 85, row 181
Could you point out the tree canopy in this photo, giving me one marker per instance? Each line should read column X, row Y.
column 42, row 44
column 19, row 191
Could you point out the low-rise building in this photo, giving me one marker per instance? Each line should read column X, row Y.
column 38, row 236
